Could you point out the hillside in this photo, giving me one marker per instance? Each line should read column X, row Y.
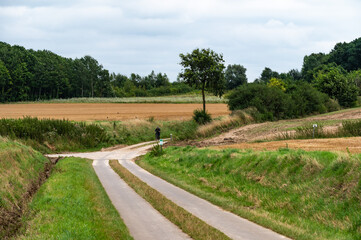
column 21, row 172
column 247, row 136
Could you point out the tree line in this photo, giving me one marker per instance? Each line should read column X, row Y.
column 325, row 83
column 28, row 75
column 337, row 74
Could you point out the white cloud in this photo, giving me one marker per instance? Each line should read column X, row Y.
column 142, row 35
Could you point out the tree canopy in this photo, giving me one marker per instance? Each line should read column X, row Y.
column 204, row 69
column 235, row 76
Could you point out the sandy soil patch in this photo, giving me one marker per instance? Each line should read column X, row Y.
column 108, row 111
column 352, row 145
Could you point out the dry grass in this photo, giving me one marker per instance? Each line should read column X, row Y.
column 193, row 226
column 223, row 124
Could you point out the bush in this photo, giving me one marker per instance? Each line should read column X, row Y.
column 270, row 103
column 156, row 151
column 201, row 117
column 351, row 128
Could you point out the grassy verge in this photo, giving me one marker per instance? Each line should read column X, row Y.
column 193, row 226
column 303, row 195
column 20, row 169
column 72, row 204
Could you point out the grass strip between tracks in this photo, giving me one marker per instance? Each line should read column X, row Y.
column 72, row 204
column 191, row 225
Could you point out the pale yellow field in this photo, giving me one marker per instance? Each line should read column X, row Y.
column 108, row 111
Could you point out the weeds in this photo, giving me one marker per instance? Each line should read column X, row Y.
column 156, row 151
column 349, row 128
column 223, row 124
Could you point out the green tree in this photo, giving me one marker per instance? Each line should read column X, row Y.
column 333, row 81
column 5, row 82
column 277, row 83
column 235, row 76
column 204, row 69
column 355, row 76
column 348, row 55
column 266, row 75
column 310, row 63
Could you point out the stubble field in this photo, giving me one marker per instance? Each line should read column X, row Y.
column 108, row 111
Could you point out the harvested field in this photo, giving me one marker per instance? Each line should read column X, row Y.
column 108, row 111
column 328, row 144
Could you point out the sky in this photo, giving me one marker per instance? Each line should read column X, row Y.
column 138, row 36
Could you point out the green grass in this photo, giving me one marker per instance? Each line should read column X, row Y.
column 303, row 195
column 191, row 225
column 72, row 204
column 20, row 167
column 189, row 98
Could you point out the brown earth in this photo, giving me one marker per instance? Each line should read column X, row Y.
column 108, row 111
column 245, row 137
column 352, row 145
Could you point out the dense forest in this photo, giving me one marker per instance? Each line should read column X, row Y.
column 28, row 75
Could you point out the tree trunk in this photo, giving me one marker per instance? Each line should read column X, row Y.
column 204, row 98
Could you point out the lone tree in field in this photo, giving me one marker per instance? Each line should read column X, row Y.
column 204, row 70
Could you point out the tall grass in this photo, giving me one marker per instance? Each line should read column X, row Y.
column 135, row 131
column 58, row 135
column 304, row 195
column 223, row 124
column 349, row 128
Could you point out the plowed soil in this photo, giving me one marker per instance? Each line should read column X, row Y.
column 108, row 111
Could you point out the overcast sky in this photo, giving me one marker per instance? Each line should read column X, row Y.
column 139, row 36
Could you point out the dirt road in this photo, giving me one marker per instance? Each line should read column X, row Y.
column 108, row 111
column 143, row 221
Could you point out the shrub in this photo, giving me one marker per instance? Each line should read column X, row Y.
column 156, row 151
column 351, row 128
column 201, row 117
column 271, row 103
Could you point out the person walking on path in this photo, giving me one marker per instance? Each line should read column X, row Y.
column 157, row 133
